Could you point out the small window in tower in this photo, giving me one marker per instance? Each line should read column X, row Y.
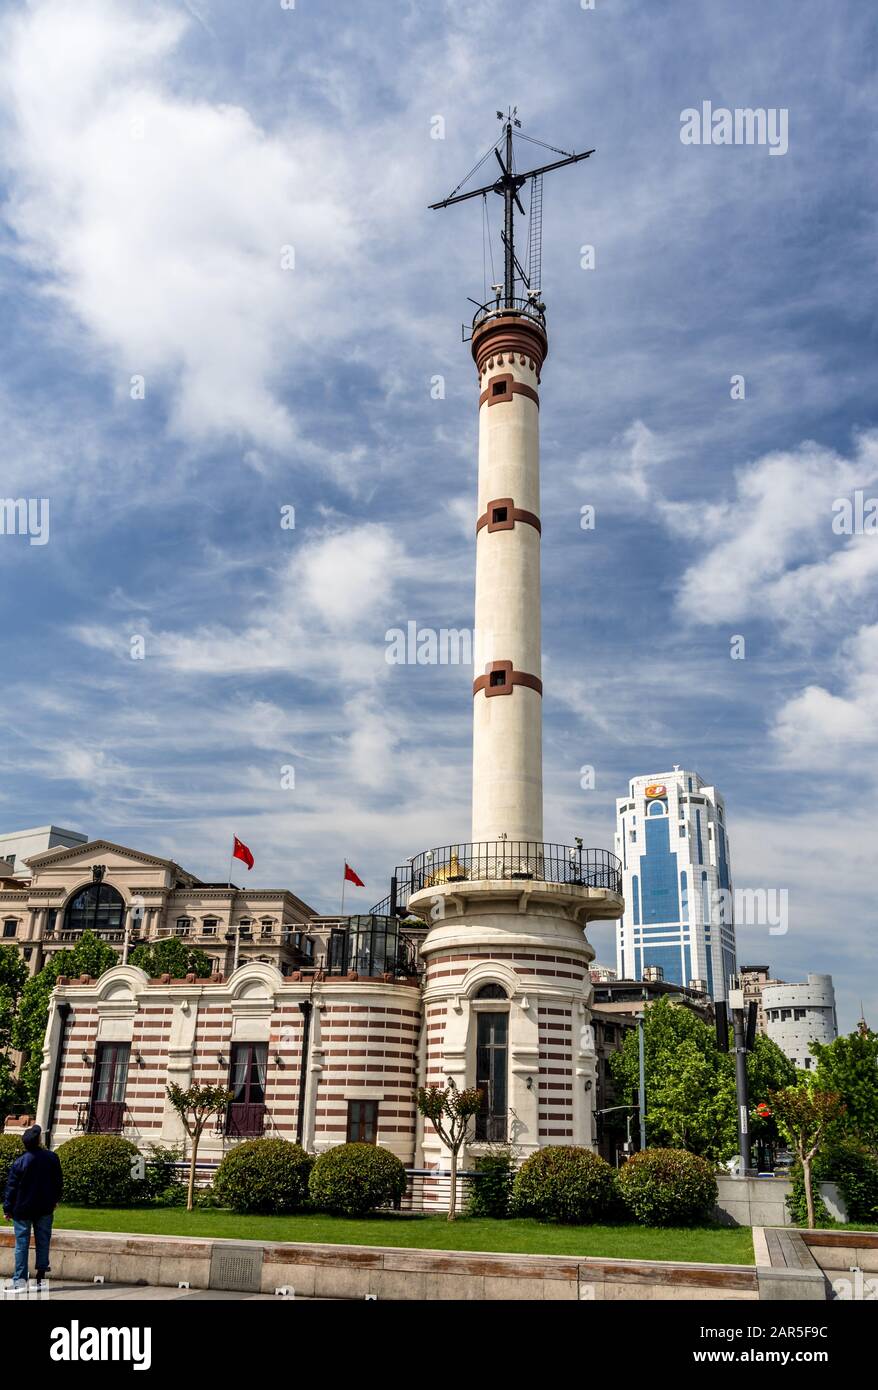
column 499, row 388
column 499, row 514
column 498, row 678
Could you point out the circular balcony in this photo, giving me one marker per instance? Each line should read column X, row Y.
column 519, row 308
column 515, row 861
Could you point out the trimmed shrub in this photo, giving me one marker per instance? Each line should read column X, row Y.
column 11, row 1148
column 797, row 1203
column 854, row 1168
column 264, row 1175
column 205, row 1198
column 352, row 1179
column 564, row 1183
column 162, row 1180
column 491, row 1192
column 99, row 1171
column 668, row 1187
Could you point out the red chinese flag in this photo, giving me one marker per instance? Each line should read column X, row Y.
column 242, row 852
column 351, row 877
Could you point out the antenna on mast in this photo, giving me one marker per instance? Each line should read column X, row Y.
column 508, row 186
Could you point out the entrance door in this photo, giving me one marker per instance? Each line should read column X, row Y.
column 108, row 1095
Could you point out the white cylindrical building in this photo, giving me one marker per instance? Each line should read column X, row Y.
column 797, row 1015
column 507, row 995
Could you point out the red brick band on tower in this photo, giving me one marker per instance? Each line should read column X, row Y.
column 502, row 386
column 501, row 522
column 499, row 678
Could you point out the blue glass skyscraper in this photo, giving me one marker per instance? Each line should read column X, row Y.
column 679, row 906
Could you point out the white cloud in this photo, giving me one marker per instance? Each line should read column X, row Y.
column 347, row 577
column 370, row 747
column 158, row 220
column 324, row 617
column 820, row 729
column 770, row 551
column 629, row 463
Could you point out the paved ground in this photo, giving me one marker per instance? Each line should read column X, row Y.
column 69, row 1289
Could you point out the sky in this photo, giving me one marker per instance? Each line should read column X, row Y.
column 225, row 308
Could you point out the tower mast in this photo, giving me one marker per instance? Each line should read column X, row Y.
column 508, row 186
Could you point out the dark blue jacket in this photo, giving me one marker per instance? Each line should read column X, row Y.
column 34, row 1185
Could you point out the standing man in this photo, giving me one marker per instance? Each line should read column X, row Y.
column 33, row 1190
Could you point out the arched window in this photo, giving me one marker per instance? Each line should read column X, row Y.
column 99, row 907
column 491, row 992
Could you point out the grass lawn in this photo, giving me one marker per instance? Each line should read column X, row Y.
column 702, row 1244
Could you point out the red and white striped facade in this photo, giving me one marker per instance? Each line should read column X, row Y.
column 363, row 1045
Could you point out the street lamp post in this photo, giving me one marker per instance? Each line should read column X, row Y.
column 744, row 1033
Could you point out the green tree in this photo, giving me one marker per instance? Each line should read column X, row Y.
column 808, row 1117
column 690, row 1085
column 90, row 956
column 449, row 1112
column 195, row 1106
column 171, row 956
column 849, row 1066
column 13, row 977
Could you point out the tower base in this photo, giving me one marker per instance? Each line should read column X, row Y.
column 527, row 938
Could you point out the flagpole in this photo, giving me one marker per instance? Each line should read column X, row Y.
column 343, row 877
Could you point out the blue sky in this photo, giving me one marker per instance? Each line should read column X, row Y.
column 158, row 158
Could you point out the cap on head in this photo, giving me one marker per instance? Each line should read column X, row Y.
column 31, row 1137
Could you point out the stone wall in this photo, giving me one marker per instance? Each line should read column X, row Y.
column 355, row 1271
column 762, row 1201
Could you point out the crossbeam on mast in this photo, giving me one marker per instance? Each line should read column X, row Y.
column 507, row 186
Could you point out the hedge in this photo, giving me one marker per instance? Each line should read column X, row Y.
column 668, row 1187
column 264, row 1175
column 491, row 1192
column 854, row 1168
column 565, row 1183
column 100, row 1171
column 352, row 1179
